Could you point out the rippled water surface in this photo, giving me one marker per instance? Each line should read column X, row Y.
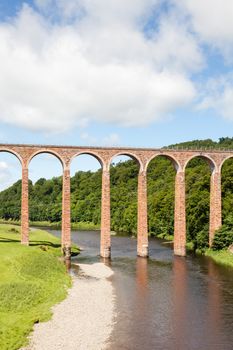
column 165, row 302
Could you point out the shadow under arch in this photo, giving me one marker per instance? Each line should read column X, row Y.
column 161, row 177
column 45, row 204
column 198, row 172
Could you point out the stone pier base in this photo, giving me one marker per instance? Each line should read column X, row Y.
column 67, row 252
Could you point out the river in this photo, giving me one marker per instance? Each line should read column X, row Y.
column 164, row 302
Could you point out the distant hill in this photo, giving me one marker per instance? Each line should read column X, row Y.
column 46, row 195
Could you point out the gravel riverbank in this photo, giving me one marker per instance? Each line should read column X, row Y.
column 84, row 320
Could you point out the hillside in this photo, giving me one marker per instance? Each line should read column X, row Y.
column 46, row 195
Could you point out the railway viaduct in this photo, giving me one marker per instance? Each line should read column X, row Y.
column 179, row 159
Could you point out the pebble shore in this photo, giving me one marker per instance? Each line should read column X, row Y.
column 84, row 320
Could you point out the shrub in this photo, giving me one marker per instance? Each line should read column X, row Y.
column 202, row 239
column 223, row 238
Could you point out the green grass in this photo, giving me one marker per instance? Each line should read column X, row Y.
column 223, row 257
column 32, row 279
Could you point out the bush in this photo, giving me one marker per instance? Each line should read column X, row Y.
column 202, row 239
column 223, row 238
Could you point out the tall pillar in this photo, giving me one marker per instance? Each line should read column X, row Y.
column 105, row 238
column 66, row 234
column 180, row 215
column 142, row 236
column 24, row 208
column 215, row 204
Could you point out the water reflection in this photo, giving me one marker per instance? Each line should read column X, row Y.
column 67, row 263
column 142, row 277
column 213, row 306
column 179, row 287
column 165, row 302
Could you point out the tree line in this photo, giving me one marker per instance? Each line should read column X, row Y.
column 45, row 196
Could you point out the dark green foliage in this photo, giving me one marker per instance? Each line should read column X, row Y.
column 223, row 143
column 124, row 196
column 11, row 202
column 224, row 236
column 46, row 196
column 197, row 201
column 160, row 188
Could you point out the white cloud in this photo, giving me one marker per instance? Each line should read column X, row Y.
column 213, row 21
column 4, row 166
column 218, row 95
column 86, row 137
column 5, row 175
column 111, row 140
column 101, row 67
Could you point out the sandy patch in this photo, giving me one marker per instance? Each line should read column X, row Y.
column 84, row 320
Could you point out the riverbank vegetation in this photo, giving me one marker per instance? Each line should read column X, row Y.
column 223, row 257
column 81, row 226
column 46, row 197
column 32, row 280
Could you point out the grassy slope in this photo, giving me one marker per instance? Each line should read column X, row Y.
column 31, row 281
column 222, row 257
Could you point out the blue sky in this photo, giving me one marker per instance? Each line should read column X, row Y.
column 143, row 73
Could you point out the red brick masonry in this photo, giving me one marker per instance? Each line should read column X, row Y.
column 179, row 158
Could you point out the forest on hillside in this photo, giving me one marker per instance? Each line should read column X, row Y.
column 45, row 196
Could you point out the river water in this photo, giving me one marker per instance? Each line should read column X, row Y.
column 164, row 302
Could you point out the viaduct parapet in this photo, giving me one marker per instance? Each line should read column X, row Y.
column 105, row 155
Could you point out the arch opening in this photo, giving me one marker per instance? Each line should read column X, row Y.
column 210, row 162
column 123, row 157
column 48, row 152
column 198, row 175
column 10, row 186
column 227, row 191
column 88, row 158
column 45, row 190
column 86, row 182
column 172, row 160
column 124, row 171
column 161, row 172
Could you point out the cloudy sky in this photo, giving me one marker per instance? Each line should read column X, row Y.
column 113, row 72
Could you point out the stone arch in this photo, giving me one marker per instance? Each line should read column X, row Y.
column 207, row 158
column 80, row 209
column 173, row 160
column 89, row 153
column 223, row 161
column 124, row 215
column 127, row 154
column 203, row 212
column 7, row 150
column 33, row 206
column 48, row 151
column 158, row 224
